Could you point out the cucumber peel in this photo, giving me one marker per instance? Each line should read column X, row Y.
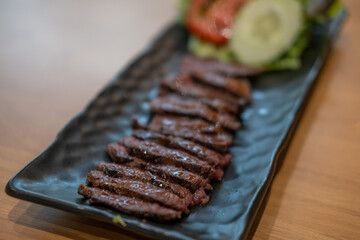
column 265, row 29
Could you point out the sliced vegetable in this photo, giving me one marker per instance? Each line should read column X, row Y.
column 265, row 29
column 291, row 59
column 211, row 20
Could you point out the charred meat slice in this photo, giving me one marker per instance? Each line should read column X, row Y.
column 180, row 176
column 179, row 106
column 121, row 171
column 196, row 130
column 129, row 205
column 173, row 174
column 137, row 189
column 191, row 63
column 203, row 153
column 180, row 123
column 214, row 103
column 187, row 87
column 158, row 154
column 238, row 87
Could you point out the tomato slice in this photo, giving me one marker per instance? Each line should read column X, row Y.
column 211, row 20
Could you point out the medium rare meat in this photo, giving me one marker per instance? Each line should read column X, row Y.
column 129, row 205
column 179, row 106
column 137, row 189
column 196, row 130
column 173, row 174
column 187, row 87
column 121, row 171
column 158, row 154
column 190, row 62
column 203, row 153
column 238, row 87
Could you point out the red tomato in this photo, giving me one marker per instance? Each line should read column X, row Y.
column 211, row 20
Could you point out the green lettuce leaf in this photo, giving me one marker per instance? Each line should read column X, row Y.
column 292, row 57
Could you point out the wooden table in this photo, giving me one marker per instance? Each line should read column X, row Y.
column 56, row 55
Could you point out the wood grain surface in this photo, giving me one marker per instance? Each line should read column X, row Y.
column 56, row 55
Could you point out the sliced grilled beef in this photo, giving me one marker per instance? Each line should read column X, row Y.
column 158, row 154
column 179, row 123
column 126, row 172
column 203, row 153
column 138, row 189
column 218, row 105
column 238, row 87
column 173, row 174
column 129, row 205
column 191, row 63
column 189, row 88
column 179, row 106
column 180, row 176
column 196, row 130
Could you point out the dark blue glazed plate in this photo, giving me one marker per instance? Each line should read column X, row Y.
column 53, row 177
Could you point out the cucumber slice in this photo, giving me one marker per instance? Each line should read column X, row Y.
column 265, row 29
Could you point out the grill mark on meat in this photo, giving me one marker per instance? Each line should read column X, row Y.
column 173, row 174
column 238, row 87
column 203, row 153
column 158, row 154
column 190, row 62
column 138, row 189
column 121, row 171
column 179, row 106
column 129, row 205
column 194, row 129
column 187, row 87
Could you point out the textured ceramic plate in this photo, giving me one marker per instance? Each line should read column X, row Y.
column 53, row 177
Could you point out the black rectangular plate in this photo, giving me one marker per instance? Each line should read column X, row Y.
column 53, row 177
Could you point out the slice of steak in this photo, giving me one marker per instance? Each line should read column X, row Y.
column 178, row 123
column 155, row 153
column 180, row 176
column 173, row 174
column 190, row 62
column 222, row 106
column 218, row 105
column 126, row 172
column 238, row 87
column 179, row 106
column 203, row 153
column 196, row 130
column 138, row 189
column 187, row 87
column 129, row 205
